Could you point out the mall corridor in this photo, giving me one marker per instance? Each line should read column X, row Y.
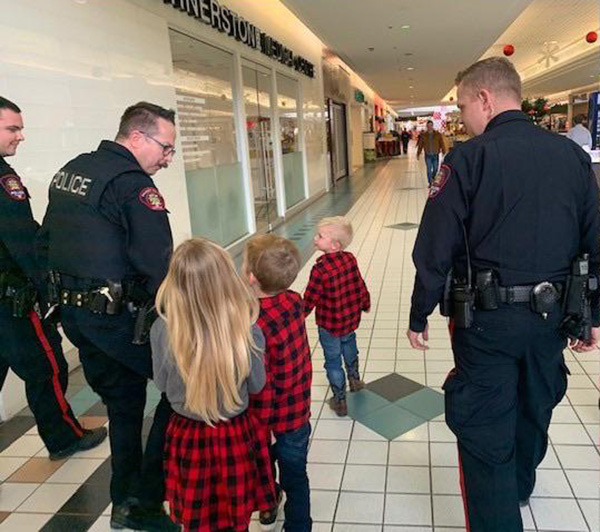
column 392, row 464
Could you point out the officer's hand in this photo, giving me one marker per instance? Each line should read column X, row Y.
column 584, row 347
column 416, row 339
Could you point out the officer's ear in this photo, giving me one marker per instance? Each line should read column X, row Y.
column 487, row 101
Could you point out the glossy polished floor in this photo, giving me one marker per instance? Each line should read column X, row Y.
column 391, row 465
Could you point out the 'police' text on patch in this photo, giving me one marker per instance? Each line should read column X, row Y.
column 439, row 181
column 152, row 199
column 13, row 187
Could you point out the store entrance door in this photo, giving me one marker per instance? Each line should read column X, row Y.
column 339, row 141
column 257, row 95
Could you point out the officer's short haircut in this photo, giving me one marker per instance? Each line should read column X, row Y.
column 7, row 104
column 273, row 260
column 342, row 229
column 143, row 117
column 496, row 74
column 579, row 119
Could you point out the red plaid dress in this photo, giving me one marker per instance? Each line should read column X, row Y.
column 216, row 476
column 338, row 290
column 284, row 403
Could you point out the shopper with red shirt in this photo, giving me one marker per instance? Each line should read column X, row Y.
column 271, row 264
column 336, row 288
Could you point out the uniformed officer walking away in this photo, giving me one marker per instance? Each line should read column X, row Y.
column 28, row 345
column 107, row 239
column 514, row 214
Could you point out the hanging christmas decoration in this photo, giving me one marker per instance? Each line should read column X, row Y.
column 508, row 49
column 591, row 37
column 549, row 53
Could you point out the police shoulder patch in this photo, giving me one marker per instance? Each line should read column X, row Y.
column 440, row 180
column 151, row 198
column 13, row 187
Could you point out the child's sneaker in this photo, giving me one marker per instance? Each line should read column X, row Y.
column 268, row 519
column 355, row 384
column 339, row 406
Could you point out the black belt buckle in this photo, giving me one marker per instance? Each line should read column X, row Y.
column 544, row 297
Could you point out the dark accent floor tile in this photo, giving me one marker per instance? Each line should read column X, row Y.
column 72, row 523
column 391, row 421
column 102, row 475
column 89, row 499
column 13, row 429
column 363, row 403
column 98, row 410
column 3, row 516
column 425, row 403
column 36, row 471
column 393, row 387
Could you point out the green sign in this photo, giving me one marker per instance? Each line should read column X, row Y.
column 359, row 96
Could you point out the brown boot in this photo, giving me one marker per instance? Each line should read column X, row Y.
column 355, row 384
column 339, row 406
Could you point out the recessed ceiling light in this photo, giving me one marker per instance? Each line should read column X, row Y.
column 408, row 54
column 410, row 68
column 371, row 49
column 390, row 27
column 410, row 87
column 405, row 27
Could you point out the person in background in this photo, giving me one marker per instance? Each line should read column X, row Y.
column 207, row 358
column 579, row 133
column 432, row 143
column 405, row 138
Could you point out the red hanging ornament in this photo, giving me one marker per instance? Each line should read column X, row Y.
column 591, row 37
column 508, row 49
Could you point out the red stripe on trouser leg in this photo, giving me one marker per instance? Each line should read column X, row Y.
column 451, row 328
column 58, row 393
column 463, row 491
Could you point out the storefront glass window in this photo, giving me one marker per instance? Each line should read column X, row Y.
column 293, row 169
column 203, row 77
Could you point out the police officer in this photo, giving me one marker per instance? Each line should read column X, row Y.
column 509, row 211
column 29, row 346
column 107, row 239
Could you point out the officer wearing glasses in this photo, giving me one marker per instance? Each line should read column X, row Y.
column 107, row 242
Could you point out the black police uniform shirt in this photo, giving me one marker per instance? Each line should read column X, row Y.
column 17, row 227
column 106, row 220
column 528, row 200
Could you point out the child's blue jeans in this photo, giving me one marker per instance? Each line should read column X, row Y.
column 336, row 348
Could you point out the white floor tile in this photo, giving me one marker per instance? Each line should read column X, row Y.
column 551, row 483
column 569, row 434
column 584, row 483
column 448, row 510
column 365, row 478
column 557, row 515
column 408, row 480
column 444, row 454
column 578, row 457
column 75, row 471
column 368, row 452
column 24, row 522
column 446, row 480
column 325, row 476
column 583, row 397
column 407, row 510
column 550, row 461
column 9, row 464
column 564, row 414
column 421, row 433
column 49, row 498
column 409, row 453
column 25, row 446
column 359, row 508
column 328, row 451
column 588, row 414
column 439, row 432
column 361, row 432
column 591, row 511
column 380, row 365
column 322, row 505
column 13, row 495
column 330, row 429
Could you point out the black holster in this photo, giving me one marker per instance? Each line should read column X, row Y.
column 146, row 316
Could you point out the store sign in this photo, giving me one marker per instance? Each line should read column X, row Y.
column 359, row 96
column 227, row 21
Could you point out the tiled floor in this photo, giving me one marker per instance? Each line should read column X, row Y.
column 361, row 480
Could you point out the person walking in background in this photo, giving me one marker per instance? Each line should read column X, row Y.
column 579, row 133
column 432, row 143
column 405, row 138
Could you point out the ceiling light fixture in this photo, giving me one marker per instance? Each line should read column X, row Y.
column 405, row 27
column 410, row 87
column 410, row 68
column 371, row 49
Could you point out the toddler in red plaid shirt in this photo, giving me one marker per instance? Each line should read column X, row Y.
column 337, row 290
column 271, row 264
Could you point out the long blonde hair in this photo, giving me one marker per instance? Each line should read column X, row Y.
column 209, row 312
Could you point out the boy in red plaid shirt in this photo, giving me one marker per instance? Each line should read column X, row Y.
column 336, row 288
column 271, row 264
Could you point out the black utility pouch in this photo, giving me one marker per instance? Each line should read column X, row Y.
column 544, row 298
column 23, row 300
column 463, row 303
column 488, row 292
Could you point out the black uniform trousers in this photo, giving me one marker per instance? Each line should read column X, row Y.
column 32, row 349
column 509, row 374
column 118, row 372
